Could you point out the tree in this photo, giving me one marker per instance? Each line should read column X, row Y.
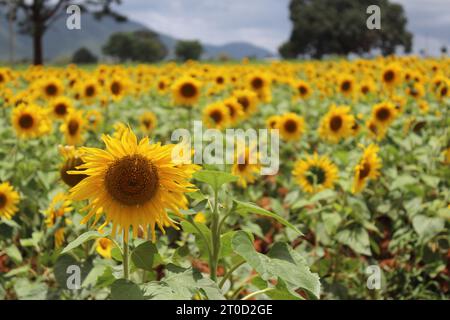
column 188, row 50
column 140, row 46
column 83, row 55
column 36, row 16
column 339, row 27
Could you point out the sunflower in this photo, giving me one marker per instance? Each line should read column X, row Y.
column 73, row 128
column 391, row 75
column 246, row 166
column 383, row 114
column 132, row 184
column 89, row 90
column 186, row 91
column 163, row 85
column 336, row 124
column 148, row 122
column 415, row 90
column 443, row 90
column 423, row 106
column 315, row 173
column 367, row 87
column 60, row 107
column 200, row 217
column 216, row 115
column 29, row 121
column 375, row 130
column 368, row 168
column 302, row 89
column 72, row 159
column 51, row 88
column 58, row 208
column 9, row 198
column 291, row 126
column 234, row 109
column 248, row 100
column 273, row 121
column 258, row 82
column 346, row 84
column 104, row 247
column 116, row 88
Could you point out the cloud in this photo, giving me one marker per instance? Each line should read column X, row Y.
column 265, row 22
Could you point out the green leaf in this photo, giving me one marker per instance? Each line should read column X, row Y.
column 281, row 262
column 245, row 207
column 215, row 178
column 402, row 181
column 27, row 290
column 427, row 227
column 225, row 241
column 356, row 238
column 182, row 284
column 123, row 289
column 323, row 195
column 14, row 254
column 106, row 279
column 144, row 255
column 82, row 239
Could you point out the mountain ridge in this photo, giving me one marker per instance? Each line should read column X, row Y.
column 61, row 43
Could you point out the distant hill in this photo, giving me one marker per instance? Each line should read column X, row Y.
column 59, row 42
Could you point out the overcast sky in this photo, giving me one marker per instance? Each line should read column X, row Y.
column 266, row 22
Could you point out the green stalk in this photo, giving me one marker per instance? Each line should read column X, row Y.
column 215, row 235
column 228, row 274
column 126, row 275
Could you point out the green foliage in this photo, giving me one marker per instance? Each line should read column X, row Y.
column 188, row 50
column 138, row 46
column 84, row 56
column 339, row 27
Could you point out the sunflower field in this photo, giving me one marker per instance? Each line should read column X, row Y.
column 93, row 205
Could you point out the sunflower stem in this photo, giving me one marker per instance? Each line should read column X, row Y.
column 215, row 235
column 125, row 260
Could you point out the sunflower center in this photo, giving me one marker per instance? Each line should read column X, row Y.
column 383, row 114
column 257, row 83
column 364, row 171
column 161, row 85
column 316, row 175
column 26, row 121
column 336, row 123
column 444, row 91
column 61, row 109
column 115, row 88
column 242, row 166
column 216, row 116
column 364, row 90
column 90, row 91
column 302, row 90
column 244, row 102
column 290, row 126
column 231, row 110
column 2, row 200
column 132, row 180
column 220, row 80
column 73, row 127
column 70, row 165
column 389, row 76
column 346, row 85
column 51, row 90
column 147, row 123
column 188, row 90
column 104, row 243
column 1, row 78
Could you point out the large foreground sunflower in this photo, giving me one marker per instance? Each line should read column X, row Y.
column 315, row 173
column 133, row 184
column 367, row 168
column 9, row 198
